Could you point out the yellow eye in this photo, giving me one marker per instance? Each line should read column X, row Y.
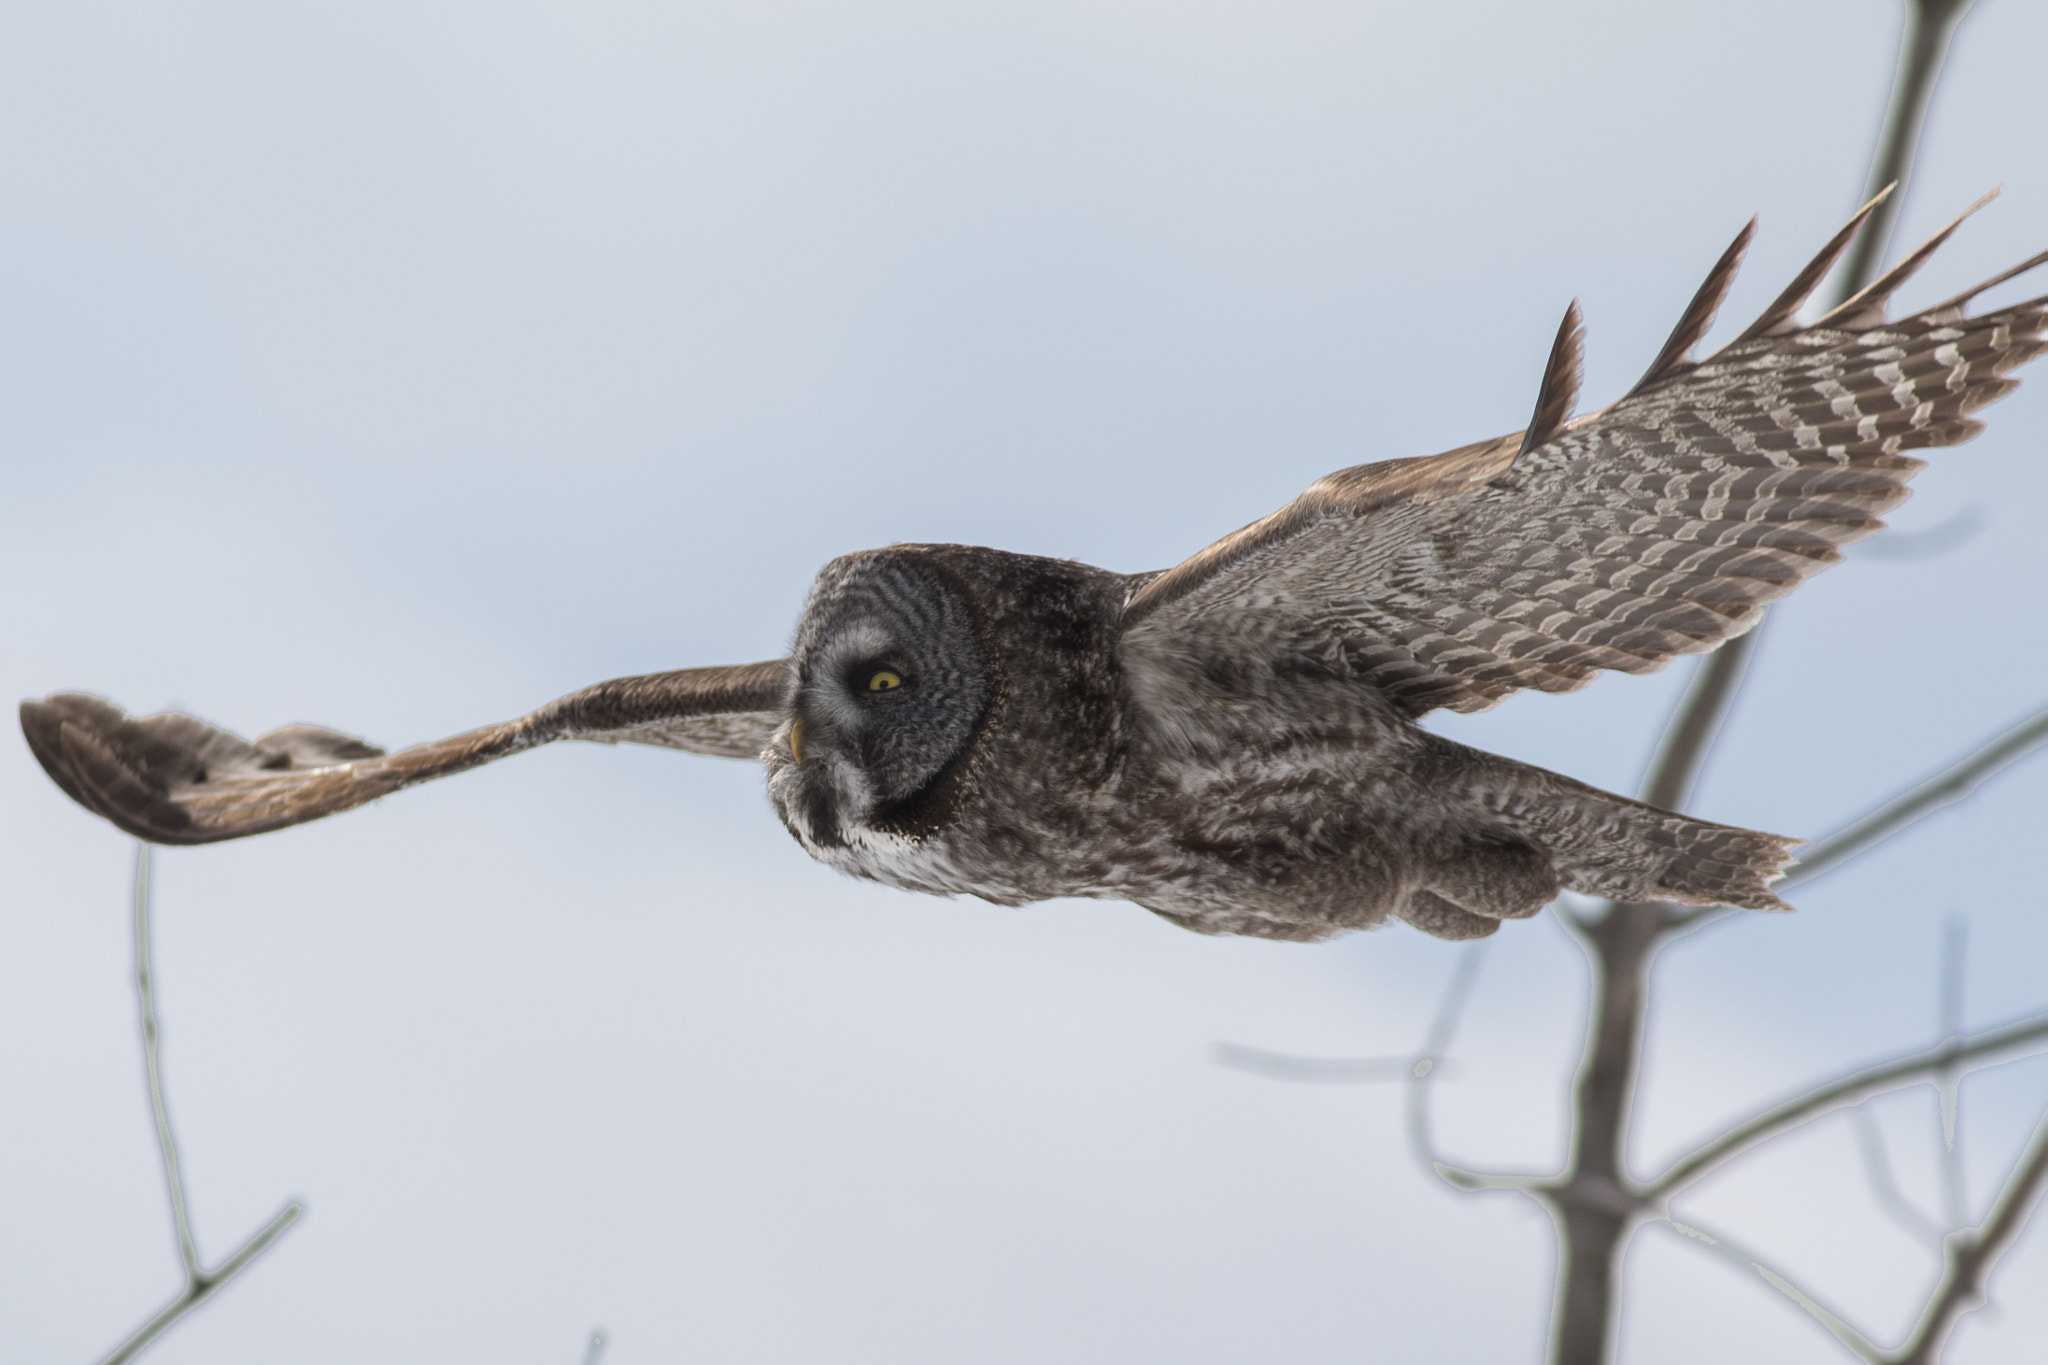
column 884, row 681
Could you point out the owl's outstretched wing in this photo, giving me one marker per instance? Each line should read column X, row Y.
column 172, row 779
column 1656, row 527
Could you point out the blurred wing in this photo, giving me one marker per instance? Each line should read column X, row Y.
column 1657, row 527
column 172, row 779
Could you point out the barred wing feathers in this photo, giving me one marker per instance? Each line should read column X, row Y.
column 1657, row 527
column 173, row 779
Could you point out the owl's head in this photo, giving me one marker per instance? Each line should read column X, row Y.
column 892, row 684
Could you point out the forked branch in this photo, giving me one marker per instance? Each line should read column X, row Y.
column 1969, row 1256
column 200, row 1283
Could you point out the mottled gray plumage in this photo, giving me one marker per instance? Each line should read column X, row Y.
column 1232, row 742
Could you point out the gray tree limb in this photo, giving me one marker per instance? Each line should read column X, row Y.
column 2023, row 1037
column 200, row 1283
column 1970, row 1256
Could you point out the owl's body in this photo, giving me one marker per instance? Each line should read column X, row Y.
column 1227, row 798
column 1233, row 742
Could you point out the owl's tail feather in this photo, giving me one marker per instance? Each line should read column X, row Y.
column 1607, row 845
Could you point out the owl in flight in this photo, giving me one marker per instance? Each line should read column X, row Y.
column 1232, row 742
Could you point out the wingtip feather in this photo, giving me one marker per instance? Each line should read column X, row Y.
column 1779, row 316
column 1561, row 376
column 1699, row 314
column 1866, row 307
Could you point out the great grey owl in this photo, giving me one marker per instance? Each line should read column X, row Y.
column 1232, row 742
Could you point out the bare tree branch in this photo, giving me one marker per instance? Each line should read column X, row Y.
column 1971, row 1255
column 1968, row 1258
column 199, row 1282
column 593, row 1351
column 1421, row 1141
column 1862, row 1345
column 166, row 1141
column 1281, row 1066
column 1949, row 1028
column 1943, row 789
column 1877, row 1166
column 1952, row 784
column 1930, row 24
column 198, row 1291
column 1689, row 738
column 2030, row 1034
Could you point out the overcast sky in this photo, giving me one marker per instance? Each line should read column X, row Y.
column 398, row 367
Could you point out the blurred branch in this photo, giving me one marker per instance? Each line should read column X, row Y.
column 1970, row 1256
column 200, row 1283
column 1421, row 1140
column 1864, row 1348
column 1930, row 24
column 1840, row 1093
column 1968, row 1259
column 1944, row 789
column 593, row 1351
column 1952, row 784
column 1282, row 1067
column 1949, row 1028
column 1682, row 753
column 1877, row 1166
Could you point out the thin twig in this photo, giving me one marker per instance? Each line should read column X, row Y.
column 1449, row 1008
column 1862, row 1345
column 1838, row 1094
column 200, row 1283
column 1428, row 1064
column 1945, row 788
column 1954, row 939
column 198, row 1291
column 593, row 1350
column 1971, row 1255
column 166, row 1141
column 1877, row 1166
column 1952, row 784
column 1281, row 1066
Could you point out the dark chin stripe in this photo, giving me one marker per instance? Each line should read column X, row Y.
column 820, row 816
column 928, row 809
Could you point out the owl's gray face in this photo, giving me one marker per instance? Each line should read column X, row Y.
column 892, row 683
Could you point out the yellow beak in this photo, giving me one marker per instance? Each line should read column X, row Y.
column 796, row 740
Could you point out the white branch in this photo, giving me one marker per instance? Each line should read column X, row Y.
column 1862, row 1346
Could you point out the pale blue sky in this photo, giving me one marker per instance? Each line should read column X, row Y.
column 401, row 366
